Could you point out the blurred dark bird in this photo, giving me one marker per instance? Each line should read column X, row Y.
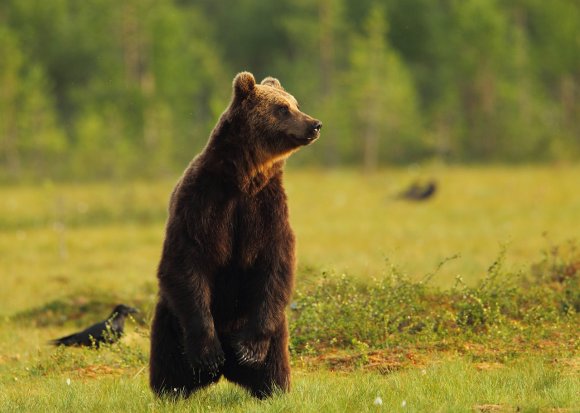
column 418, row 192
column 107, row 331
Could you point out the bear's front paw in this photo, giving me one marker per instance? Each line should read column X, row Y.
column 251, row 352
column 206, row 355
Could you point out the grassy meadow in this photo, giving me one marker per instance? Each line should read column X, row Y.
column 468, row 301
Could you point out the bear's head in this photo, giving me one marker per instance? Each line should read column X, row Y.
column 272, row 117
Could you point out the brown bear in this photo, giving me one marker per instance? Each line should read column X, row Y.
column 227, row 266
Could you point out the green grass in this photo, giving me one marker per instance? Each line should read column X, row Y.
column 62, row 236
column 447, row 385
column 349, row 222
column 373, row 313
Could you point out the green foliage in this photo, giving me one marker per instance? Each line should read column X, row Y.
column 94, row 88
column 30, row 137
column 559, row 270
column 383, row 103
column 337, row 313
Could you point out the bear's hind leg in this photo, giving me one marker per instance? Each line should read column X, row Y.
column 270, row 376
column 170, row 373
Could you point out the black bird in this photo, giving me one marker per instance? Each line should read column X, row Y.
column 107, row 331
column 417, row 192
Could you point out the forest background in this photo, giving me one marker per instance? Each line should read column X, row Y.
column 101, row 89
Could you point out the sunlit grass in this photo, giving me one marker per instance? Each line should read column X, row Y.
column 108, row 236
column 349, row 222
column 95, row 244
column 452, row 385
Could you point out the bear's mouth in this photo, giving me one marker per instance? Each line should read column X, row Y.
column 315, row 135
column 311, row 138
column 303, row 140
column 306, row 140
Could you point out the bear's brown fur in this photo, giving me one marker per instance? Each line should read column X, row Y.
column 227, row 267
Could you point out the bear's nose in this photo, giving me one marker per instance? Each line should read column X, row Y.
column 317, row 126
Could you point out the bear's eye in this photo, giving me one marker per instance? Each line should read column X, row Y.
column 283, row 110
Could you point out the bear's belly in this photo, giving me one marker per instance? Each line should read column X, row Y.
column 230, row 297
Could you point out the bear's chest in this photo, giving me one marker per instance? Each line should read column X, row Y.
column 258, row 222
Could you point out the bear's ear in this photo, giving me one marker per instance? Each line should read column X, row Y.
column 244, row 83
column 272, row 81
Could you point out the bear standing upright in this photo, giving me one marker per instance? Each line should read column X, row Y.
column 227, row 266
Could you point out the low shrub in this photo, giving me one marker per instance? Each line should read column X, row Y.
column 340, row 313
